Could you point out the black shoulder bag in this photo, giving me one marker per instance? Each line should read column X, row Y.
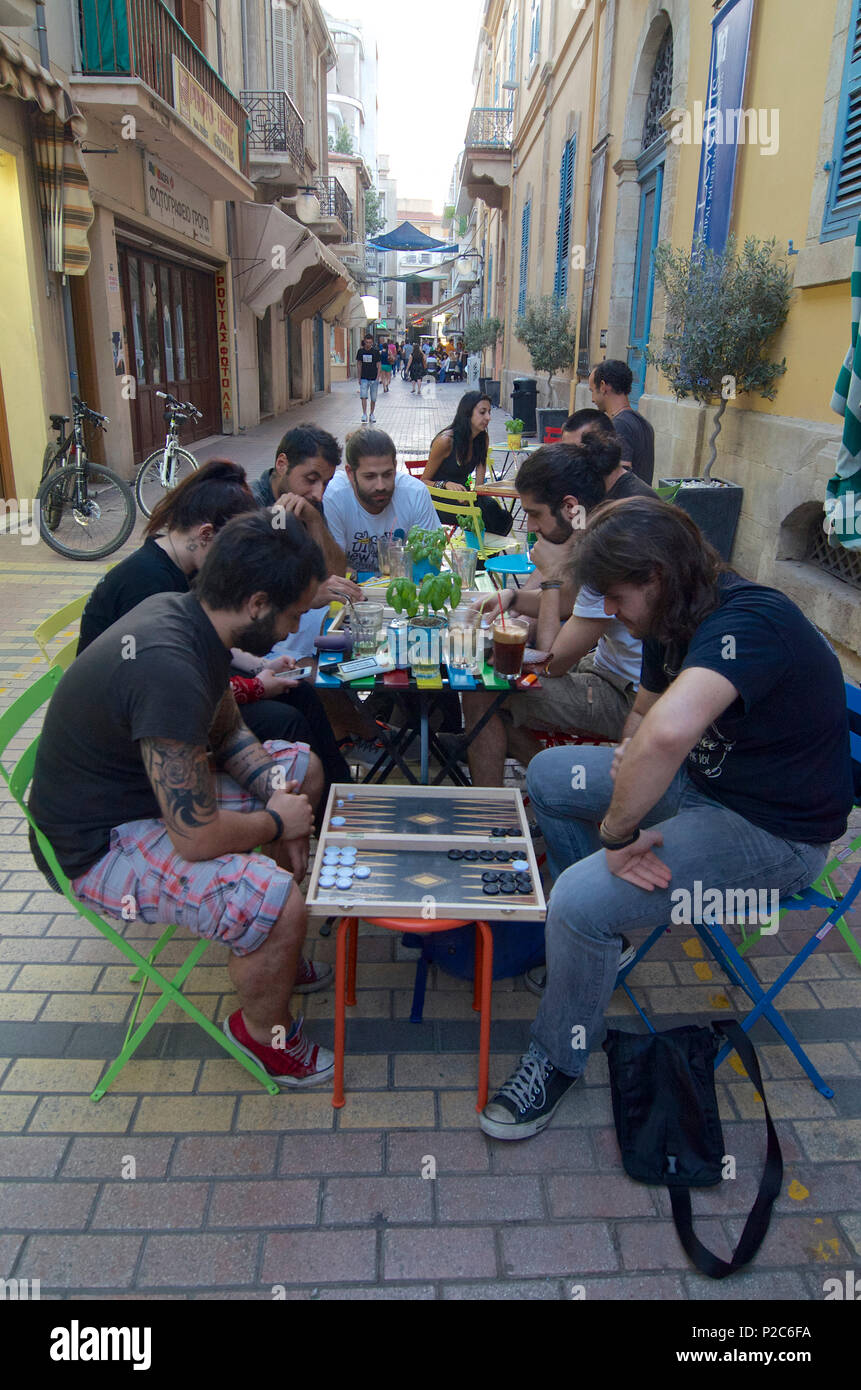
column 669, row 1130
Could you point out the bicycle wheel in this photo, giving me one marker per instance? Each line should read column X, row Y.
column 95, row 511
column 51, row 513
column 149, row 489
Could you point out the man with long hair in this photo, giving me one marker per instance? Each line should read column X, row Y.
column 733, row 774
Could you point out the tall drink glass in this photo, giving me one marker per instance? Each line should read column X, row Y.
column 509, row 644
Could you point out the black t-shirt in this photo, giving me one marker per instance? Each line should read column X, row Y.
column 779, row 755
column 370, row 361
column 149, row 571
column 158, row 673
column 638, row 443
column 629, row 485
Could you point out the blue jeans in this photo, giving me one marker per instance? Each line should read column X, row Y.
column 368, row 386
column 589, row 907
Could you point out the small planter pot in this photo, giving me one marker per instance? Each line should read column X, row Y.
column 515, row 441
column 426, row 640
column 422, row 568
column 715, row 506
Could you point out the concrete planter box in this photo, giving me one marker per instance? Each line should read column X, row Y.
column 715, row 506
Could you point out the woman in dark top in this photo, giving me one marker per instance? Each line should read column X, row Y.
column 177, row 536
column 418, row 366
column 461, row 450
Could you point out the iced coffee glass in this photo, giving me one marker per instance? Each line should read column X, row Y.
column 509, row 644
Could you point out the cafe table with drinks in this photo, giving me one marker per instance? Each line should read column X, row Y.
column 415, row 657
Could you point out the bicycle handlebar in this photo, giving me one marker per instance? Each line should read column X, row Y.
column 176, row 405
column 81, row 408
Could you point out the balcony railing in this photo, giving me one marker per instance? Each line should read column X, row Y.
column 490, row 127
column 138, row 38
column 276, row 126
column 335, row 203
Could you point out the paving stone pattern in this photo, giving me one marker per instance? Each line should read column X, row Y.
column 186, row 1181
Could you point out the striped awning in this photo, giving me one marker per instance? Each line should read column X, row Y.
column 445, row 306
column 843, row 493
column 58, row 129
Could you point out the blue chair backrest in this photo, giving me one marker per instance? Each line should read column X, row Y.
column 853, row 703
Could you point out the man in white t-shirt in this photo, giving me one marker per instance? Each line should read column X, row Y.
column 370, row 501
column 590, row 665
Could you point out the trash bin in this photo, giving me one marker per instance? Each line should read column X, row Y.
column 524, row 399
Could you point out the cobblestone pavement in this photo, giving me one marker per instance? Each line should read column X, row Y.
column 236, row 1192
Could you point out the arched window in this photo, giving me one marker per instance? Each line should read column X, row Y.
column 660, row 92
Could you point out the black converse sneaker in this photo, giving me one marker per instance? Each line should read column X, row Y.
column 527, row 1102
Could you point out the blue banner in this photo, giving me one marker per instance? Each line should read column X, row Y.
column 722, row 122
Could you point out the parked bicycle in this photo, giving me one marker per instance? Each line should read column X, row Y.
column 166, row 467
column 86, row 511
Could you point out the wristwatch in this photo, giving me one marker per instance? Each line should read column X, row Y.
column 550, row 584
column 279, row 824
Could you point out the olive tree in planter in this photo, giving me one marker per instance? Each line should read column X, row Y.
column 478, row 335
column 722, row 311
column 545, row 330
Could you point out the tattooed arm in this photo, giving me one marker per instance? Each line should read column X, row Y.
column 240, row 753
column 182, row 782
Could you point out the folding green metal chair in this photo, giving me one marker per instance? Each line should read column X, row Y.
column 18, row 780
column 731, row 961
column 57, row 623
column 464, row 507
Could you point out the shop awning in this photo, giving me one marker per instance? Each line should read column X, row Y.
column 58, row 129
column 445, row 306
column 278, row 256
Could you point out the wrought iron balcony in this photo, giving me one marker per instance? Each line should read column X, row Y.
column 335, row 203
column 141, row 38
column 276, row 126
column 490, row 127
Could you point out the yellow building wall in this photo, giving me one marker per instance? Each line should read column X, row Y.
column 787, row 69
column 19, row 354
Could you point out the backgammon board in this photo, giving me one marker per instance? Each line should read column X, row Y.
column 425, row 852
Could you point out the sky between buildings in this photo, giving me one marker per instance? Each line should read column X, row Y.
column 426, row 54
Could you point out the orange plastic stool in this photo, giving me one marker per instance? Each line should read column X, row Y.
column 345, row 986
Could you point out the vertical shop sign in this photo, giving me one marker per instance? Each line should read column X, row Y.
column 224, row 382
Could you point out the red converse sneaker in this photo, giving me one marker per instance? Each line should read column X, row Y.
column 299, row 1063
column 311, row 976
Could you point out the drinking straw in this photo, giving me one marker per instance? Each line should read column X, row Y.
column 498, row 599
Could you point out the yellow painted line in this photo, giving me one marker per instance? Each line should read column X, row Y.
column 702, row 970
column 797, row 1191
column 719, row 1001
column 693, row 948
column 737, row 1065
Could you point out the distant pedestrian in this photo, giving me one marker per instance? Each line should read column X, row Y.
column 406, row 349
column 368, row 358
column 418, row 367
column 385, row 366
column 610, row 384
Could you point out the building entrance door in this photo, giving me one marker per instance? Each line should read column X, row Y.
column 170, row 330
column 651, row 185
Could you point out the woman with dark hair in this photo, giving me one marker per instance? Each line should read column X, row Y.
column 178, row 533
column 418, row 367
column 461, row 450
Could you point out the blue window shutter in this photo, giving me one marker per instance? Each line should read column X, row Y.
column 512, row 51
column 490, row 285
column 563, row 229
column 843, row 202
column 524, row 256
column 535, row 30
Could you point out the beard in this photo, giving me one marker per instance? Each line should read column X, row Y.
column 258, row 637
column 370, row 502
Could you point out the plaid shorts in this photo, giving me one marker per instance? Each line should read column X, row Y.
column 235, row 898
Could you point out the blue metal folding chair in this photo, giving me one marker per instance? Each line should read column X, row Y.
column 733, row 964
